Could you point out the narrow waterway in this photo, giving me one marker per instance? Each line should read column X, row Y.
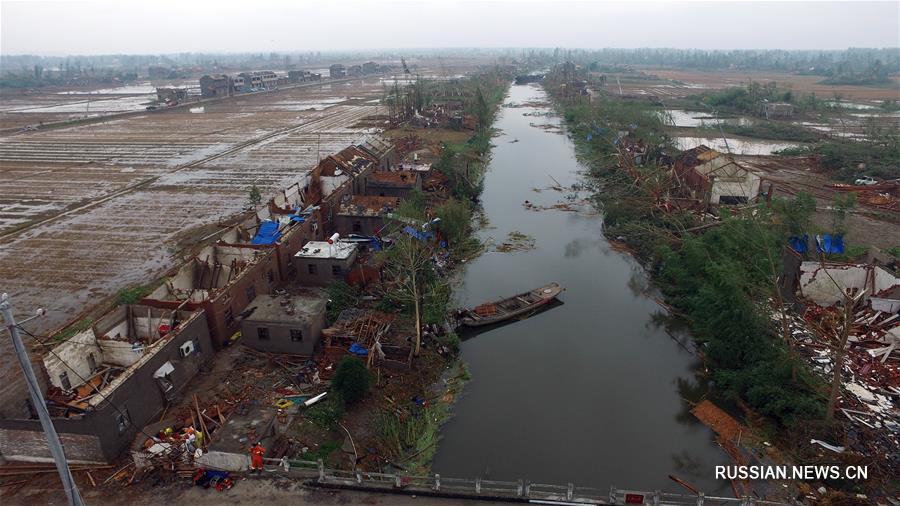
column 590, row 391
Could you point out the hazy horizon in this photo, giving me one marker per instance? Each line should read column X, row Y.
column 163, row 27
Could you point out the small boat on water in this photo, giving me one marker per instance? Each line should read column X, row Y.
column 510, row 307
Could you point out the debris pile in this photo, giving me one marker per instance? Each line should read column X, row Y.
column 515, row 241
column 871, row 368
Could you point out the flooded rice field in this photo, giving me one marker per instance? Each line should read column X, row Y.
column 196, row 170
column 590, row 391
column 733, row 145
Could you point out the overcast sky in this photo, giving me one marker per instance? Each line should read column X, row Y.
column 161, row 26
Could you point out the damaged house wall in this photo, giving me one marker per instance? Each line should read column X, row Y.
column 106, row 425
column 228, row 277
column 826, row 285
column 713, row 178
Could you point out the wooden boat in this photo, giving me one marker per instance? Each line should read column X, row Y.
column 510, row 307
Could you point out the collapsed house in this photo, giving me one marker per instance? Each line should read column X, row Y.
column 222, row 280
column 108, row 381
column 715, row 179
column 285, row 323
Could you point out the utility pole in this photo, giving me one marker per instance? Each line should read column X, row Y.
column 37, row 399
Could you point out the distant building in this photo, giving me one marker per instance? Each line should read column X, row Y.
column 774, row 110
column 286, row 323
column 354, row 70
column 369, row 67
column 215, row 86
column 298, row 76
column 319, row 263
column 337, row 70
column 393, row 183
column 713, row 178
column 238, row 84
column 261, row 80
column 171, row 95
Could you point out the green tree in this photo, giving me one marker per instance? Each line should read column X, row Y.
column 409, row 269
column 456, row 220
column 352, row 380
column 254, row 197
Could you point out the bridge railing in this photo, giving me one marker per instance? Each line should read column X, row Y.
column 317, row 473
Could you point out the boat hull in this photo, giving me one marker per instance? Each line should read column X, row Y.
column 525, row 302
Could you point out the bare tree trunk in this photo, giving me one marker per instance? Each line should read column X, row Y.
column 418, row 323
column 839, row 352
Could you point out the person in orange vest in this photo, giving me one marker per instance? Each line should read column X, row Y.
column 257, row 452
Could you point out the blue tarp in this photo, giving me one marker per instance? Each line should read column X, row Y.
column 421, row 235
column 267, row 234
column 296, row 218
column 830, row 243
column 800, row 244
column 357, row 349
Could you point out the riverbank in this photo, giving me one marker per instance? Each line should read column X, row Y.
column 719, row 275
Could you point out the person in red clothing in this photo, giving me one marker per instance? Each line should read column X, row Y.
column 256, row 457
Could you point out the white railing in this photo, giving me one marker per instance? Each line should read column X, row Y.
column 521, row 491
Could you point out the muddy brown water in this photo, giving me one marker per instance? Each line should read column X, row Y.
column 590, row 391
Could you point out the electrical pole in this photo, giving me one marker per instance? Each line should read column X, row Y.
column 37, row 399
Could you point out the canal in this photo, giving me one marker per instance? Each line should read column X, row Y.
column 590, row 391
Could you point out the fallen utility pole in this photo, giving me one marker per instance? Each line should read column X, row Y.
column 37, row 399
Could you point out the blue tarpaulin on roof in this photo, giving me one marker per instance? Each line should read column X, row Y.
column 423, row 236
column 267, row 234
column 830, row 243
column 800, row 244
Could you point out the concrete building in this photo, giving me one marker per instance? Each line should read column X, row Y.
column 715, row 179
column 319, row 263
column 336, row 71
column 354, row 70
column 260, row 80
column 109, row 381
column 216, row 86
column 285, row 323
column 393, row 183
column 369, row 67
column 361, row 214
